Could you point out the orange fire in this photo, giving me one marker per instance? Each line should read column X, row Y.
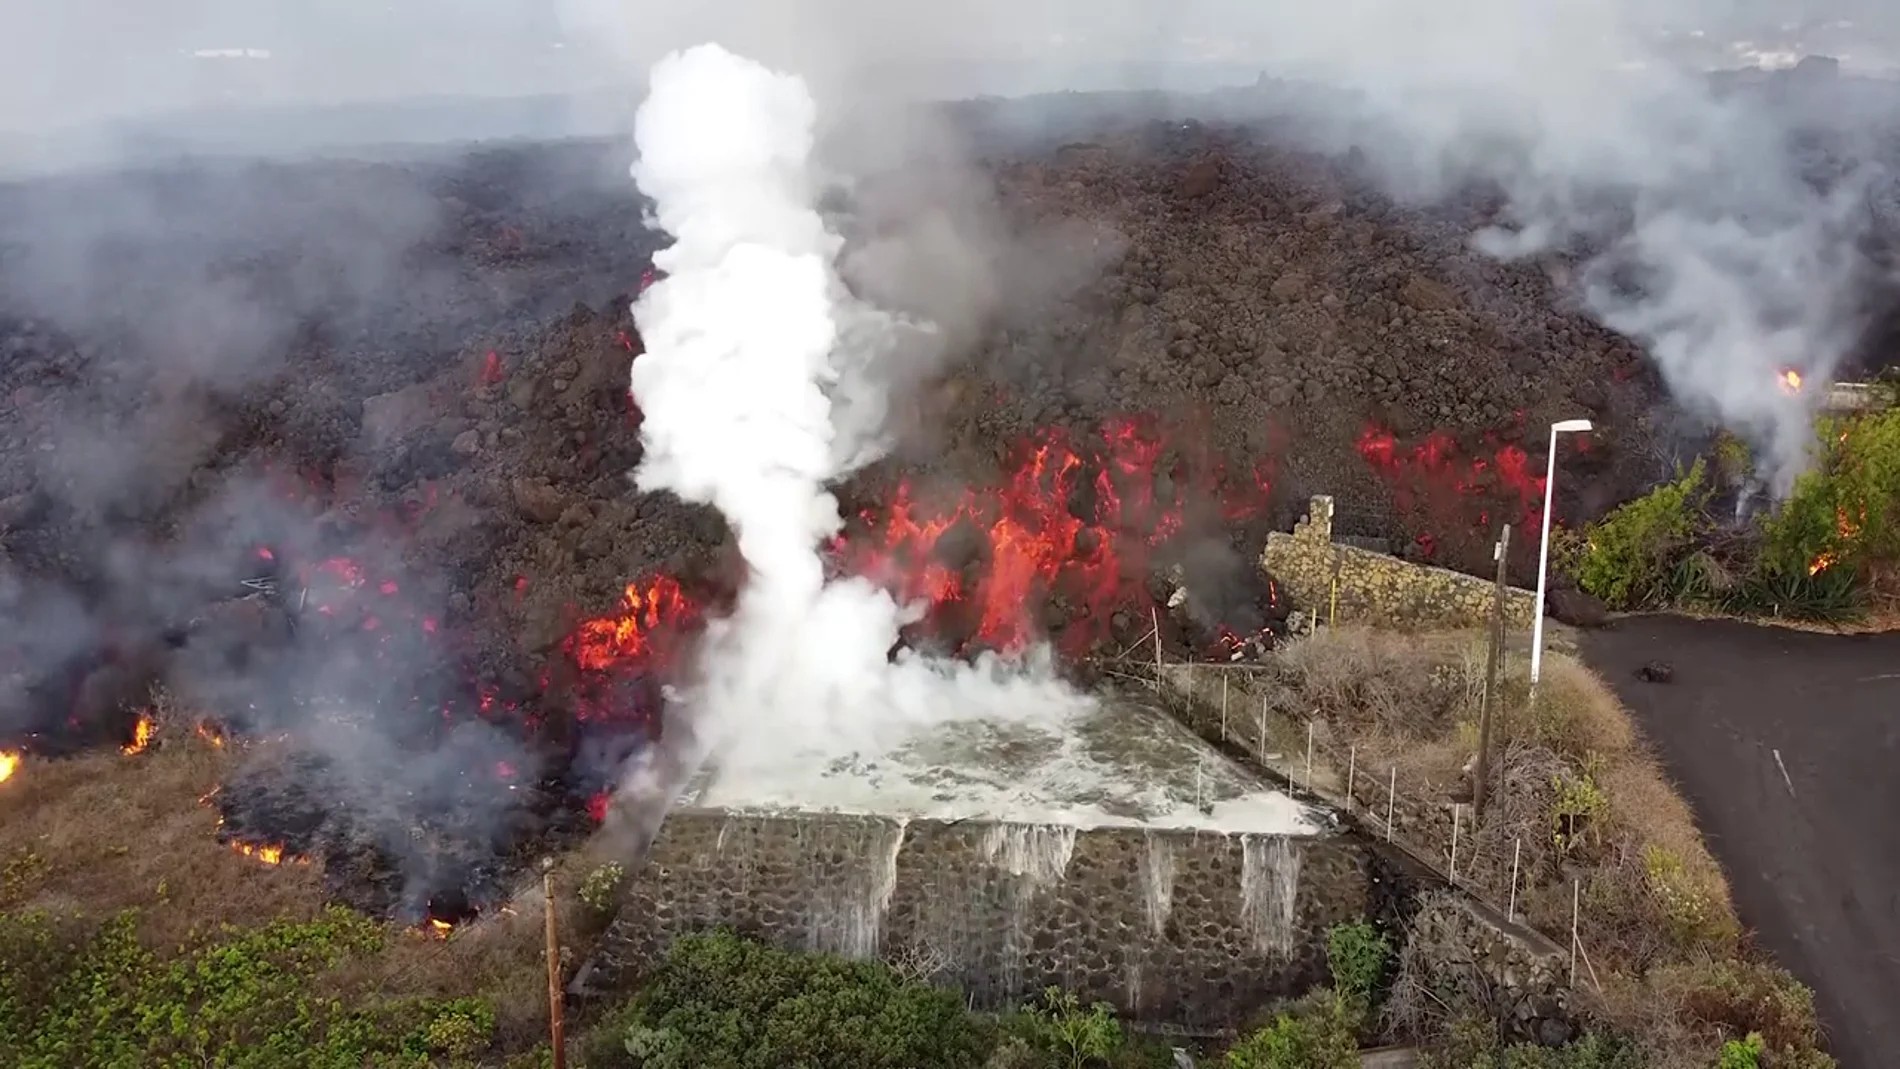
column 142, row 733
column 267, row 853
column 1790, row 381
column 1845, row 528
column 9, row 764
column 439, row 928
column 210, row 734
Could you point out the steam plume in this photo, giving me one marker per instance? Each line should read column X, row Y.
column 753, row 388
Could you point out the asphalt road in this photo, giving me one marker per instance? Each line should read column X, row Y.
column 1787, row 744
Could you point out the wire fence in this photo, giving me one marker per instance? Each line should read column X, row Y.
column 1232, row 706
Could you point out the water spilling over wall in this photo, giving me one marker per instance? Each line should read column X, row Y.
column 1183, row 927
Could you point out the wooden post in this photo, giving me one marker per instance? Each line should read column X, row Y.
column 1391, row 802
column 1491, row 658
column 1223, row 708
column 557, row 1023
column 1309, row 756
column 1352, row 769
column 1576, row 900
column 1510, row 911
column 1155, row 616
column 1457, row 813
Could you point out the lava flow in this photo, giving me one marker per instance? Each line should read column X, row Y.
column 1434, row 478
column 1074, row 522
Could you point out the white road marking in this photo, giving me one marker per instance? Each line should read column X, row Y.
column 1784, row 772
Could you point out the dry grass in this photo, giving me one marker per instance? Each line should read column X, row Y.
column 91, row 836
column 1577, row 787
column 101, row 833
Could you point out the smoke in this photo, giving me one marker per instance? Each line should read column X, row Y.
column 759, row 371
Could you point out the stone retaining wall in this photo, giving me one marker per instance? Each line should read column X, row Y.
column 1184, row 928
column 1376, row 588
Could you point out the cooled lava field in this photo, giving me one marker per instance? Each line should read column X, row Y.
column 334, row 456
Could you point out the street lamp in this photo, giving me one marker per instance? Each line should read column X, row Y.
column 1568, row 426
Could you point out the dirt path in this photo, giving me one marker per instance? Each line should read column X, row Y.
column 1786, row 744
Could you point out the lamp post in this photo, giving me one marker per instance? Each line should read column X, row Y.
column 1568, row 426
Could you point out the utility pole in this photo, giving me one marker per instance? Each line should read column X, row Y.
column 1492, row 657
column 557, row 1024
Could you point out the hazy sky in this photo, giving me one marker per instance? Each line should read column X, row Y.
column 69, row 61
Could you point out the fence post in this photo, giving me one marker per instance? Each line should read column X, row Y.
column 1223, row 707
column 1352, row 766
column 1391, row 802
column 1576, row 899
column 1517, row 847
column 1492, row 655
column 1261, row 738
column 1154, row 615
column 1309, row 756
column 1457, row 814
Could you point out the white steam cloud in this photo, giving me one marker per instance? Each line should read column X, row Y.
column 755, row 387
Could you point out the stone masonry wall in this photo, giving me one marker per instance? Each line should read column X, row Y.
column 1189, row 929
column 1376, row 588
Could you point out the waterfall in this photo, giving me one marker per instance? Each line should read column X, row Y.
column 1269, row 891
column 1157, row 873
column 847, row 917
column 1039, row 853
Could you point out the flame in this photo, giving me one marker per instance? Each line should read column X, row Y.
column 1845, row 529
column 142, row 733
column 210, row 733
column 439, row 928
column 269, row 854
column 1789, row 381
column 9, row 764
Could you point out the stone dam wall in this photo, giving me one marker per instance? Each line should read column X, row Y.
column 1191, row 929
column 1377, row 588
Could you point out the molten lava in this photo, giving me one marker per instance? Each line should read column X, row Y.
column 1075, row 521
column 629, row 633
column 1433, row 478
column 9, row 765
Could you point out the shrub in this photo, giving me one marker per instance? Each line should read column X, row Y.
column 600, row 890
column 242, row 1000
column 1631, row 555
column 1741, row 1053
column 721, row 1002
column 1358, row 955
column 1473, row 1043
column 1320, row 1035
column 1738, row 997
column 1059, row 1025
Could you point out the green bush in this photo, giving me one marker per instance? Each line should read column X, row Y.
column 1071, row 1035
column 1844, row 513
column 1358, row 956
column 1476, row 1044
column 243, row 1000
column 720, row 1002
column 1741, row 1053
column 1320, row 1035
column 600, row 890
column 1630, row 556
